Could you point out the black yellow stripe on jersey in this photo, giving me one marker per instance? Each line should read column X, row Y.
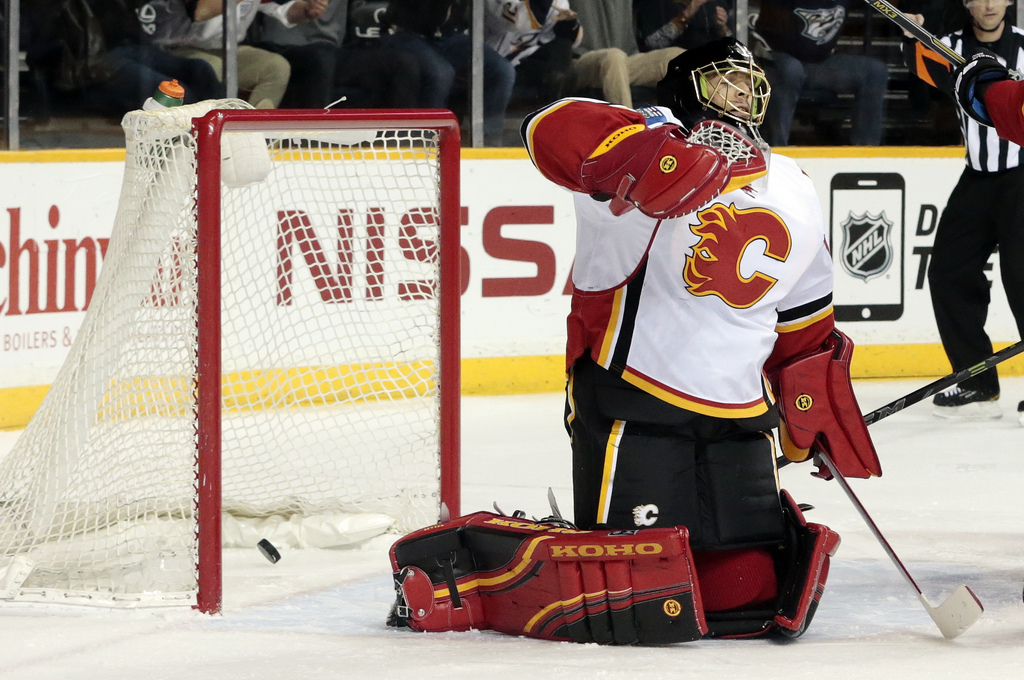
column 695, row 404
column 611, row 459
column 805, row 315
column 623, row 321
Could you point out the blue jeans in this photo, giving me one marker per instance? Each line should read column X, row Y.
column 445, row 60
column 864, row 77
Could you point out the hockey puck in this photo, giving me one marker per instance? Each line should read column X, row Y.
column 269, row 551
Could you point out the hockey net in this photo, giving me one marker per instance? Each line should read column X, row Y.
column 272, row 342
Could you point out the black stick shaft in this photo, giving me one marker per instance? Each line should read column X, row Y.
column 943, row 383
column 915, row 29
column 827, row 460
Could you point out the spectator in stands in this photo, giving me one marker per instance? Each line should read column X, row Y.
column 681, row 23
column 800, row 37
column 339, row 54
column 92, row 50
column 537, row 37
column 436, row 32
column 138, row 69
column 608, row 57
column 194, row 29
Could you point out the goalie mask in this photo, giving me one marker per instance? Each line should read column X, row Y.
column 719, row 81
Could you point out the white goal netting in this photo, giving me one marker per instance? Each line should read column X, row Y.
column 330, row 343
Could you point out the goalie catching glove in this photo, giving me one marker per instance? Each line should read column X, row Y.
column 656, row 171
column 613, row 154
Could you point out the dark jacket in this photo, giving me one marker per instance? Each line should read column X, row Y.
column 805, row 29
column 425, row 17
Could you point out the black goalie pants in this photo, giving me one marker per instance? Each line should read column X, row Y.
column 640, row 462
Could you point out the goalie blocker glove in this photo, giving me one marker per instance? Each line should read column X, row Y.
column 818, row 407
column 639, row 586
column 982, row 68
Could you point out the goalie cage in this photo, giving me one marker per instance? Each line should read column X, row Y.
column 279, row 345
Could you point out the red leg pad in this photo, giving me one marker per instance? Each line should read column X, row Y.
column 730, row 579
column 486, row 571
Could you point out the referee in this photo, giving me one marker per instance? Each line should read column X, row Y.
column 985, row 210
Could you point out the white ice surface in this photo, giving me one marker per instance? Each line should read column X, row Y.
column 950, row 503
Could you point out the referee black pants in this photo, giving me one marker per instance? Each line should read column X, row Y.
column 985, row 210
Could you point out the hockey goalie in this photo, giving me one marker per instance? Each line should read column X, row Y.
column 701, row 321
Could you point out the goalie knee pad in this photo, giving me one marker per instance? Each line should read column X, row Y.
column 801, row 566
column 514, row 576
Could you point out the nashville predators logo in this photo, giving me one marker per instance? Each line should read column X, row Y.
column 726, row 235
column 668, row 164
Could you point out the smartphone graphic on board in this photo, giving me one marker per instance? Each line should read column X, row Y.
column 866, row 226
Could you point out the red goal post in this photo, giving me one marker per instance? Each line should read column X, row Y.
column 271, row 351
column 208, row 131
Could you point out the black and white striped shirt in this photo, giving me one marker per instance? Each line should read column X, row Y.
column 986, row 151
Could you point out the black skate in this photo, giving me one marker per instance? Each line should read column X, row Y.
column 962, row 404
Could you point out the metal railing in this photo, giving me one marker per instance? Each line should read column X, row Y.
column 12, row 68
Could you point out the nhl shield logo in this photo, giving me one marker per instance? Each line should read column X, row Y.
column 867, row 248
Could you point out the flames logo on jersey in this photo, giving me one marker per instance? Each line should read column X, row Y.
column 726, row 233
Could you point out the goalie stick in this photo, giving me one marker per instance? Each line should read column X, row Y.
column 958, row 612
column 962, row 608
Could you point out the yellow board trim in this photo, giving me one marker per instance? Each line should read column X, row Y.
column 274, row 389
column 823, row 152
column 64, row 156
column 546, row 373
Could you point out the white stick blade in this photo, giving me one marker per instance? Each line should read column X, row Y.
column 957, row 613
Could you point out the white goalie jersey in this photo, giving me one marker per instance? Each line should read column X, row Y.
column 690, row 309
